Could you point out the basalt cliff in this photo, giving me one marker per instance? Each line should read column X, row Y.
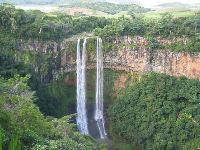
column 124, row 54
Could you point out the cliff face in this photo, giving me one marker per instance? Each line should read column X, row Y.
column 176, row 64
column 133, row 54
column 127, row 54
column 143, row 60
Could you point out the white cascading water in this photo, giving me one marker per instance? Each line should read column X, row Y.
column 99, row 91
column 81, row 91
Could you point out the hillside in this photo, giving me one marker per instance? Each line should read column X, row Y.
column 78, row 11
column 176, row 12
column 111, row 8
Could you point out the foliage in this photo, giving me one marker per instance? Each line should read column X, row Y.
column 17, row 103
column 168, row 27
column 1, row 138
column 9, row 64
column 16, row 24
column 109, row 78
column 71, row 139
column 37, row 25
column 159, row 112
column 15, row 144
column 24, row 125
column 122, row 26
column 57, row 98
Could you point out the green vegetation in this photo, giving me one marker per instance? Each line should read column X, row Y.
column 122, row 26
column 175, row 12
column 37, row 25
column 111, row 8
column 23, row 25
column 158, row 112
column 57, row 98
column 154, row 112
column 23, row 125
column 185, row 28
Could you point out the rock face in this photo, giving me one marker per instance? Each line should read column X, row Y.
column 176, row 64
column 127, row 54
column 142, row 59
column 36, row 46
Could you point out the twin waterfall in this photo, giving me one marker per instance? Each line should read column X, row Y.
column 81, row 90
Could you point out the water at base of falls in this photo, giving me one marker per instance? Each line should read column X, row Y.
column 81, row 89
column 99, row 91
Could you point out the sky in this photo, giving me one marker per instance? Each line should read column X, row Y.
column 155, row 2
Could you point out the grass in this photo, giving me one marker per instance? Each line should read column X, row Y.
column 78, row 11
column 176, row 12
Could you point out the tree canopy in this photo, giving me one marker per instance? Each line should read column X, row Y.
column 159, row 112
column 22, row 125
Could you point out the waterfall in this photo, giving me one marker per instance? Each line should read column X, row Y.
column 99, row 91
column 81, row 91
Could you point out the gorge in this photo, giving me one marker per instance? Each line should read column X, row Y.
column 124, row 57
column 122, row 77
column 125, row 61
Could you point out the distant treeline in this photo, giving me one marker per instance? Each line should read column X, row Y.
column 111, row 8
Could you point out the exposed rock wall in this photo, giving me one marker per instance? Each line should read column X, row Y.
column 176, row 64
column 143, row 59
column 128, row 54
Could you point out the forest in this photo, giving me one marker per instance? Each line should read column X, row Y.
column 154, row 111
column 158, row 112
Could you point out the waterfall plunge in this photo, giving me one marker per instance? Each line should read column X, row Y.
column 99, row 91
column 81, row 89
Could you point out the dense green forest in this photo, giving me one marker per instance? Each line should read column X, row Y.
column 155, row 112
column 37, row 25
column 158, row 112
column 22, row 125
